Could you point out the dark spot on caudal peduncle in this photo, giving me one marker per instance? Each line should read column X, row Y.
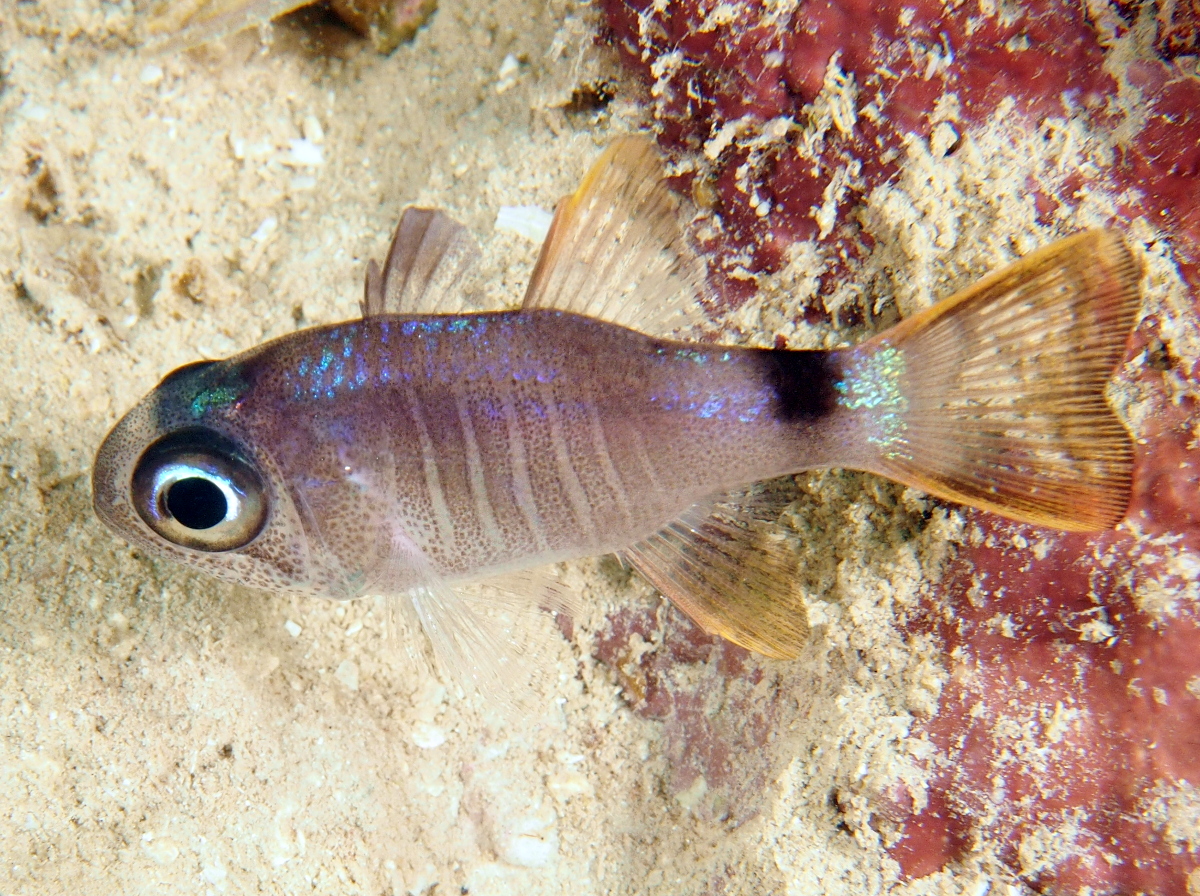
column 803, row 382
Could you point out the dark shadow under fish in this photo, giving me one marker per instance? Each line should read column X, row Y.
column 420, row 449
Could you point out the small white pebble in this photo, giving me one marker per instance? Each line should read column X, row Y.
column 162, row 851
column 292, row 629
column 151, row 75
column 509, row 67
column 528, row 840
column 347, row 674
column 506, row 75
column 528, row 221
column 354, row 628
column 777, row 128
column 1095, row 631
column 312, row 130
column 567, row 784
column 265, row 229
column 213, row 872
column 304, row 153
column 944, row 139
column 428, row 736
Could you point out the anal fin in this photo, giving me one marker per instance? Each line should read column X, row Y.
column 731, row 570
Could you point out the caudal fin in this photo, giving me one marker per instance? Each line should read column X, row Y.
column 995, row 396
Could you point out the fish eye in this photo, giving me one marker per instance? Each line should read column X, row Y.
column 195, row 489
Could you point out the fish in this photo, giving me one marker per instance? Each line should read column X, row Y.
column 422, row 448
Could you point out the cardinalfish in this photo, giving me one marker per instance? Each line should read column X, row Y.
column 420, row 448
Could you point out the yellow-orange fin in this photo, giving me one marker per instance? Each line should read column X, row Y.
column 616, row 250
column 731, row 570
column 995, row 396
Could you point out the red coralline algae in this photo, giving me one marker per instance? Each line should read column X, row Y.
column 1068, row 733
column 1073, row 704
column 717, row 759
column 718, row 70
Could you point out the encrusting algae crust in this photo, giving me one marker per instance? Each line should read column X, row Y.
column 166, row 733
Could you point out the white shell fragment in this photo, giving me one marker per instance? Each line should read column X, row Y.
column 347, row 674
column 528, row 221
column 303, row 153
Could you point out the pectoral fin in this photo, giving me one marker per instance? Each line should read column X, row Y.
column 484, row 636
column 730, row 568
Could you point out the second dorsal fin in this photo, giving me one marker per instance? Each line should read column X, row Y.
column 730, row 568
column 616, row 250
column 428, row 268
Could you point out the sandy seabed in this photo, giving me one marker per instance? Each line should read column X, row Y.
column 161, row 732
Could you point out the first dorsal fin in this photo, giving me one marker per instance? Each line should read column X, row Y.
column 615, row 249
column 428, row 268
column 728, row 565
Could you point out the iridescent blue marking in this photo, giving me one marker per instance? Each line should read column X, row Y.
column 422, row 327
column 752, row 413
column 712, row 407
column 873, row 384
column 318, row 383
column 339, row 377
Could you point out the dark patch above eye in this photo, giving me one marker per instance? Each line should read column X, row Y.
column 185, row 369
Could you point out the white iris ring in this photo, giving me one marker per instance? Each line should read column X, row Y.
column 170, row 474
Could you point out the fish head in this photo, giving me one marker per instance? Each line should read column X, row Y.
column 184, row 476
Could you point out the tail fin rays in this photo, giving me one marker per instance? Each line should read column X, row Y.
column 995, row 397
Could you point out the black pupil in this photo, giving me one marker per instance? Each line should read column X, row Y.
column 196, row 503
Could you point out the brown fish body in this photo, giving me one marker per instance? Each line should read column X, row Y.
column 504, row 440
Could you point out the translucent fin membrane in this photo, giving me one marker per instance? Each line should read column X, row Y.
column 179, row 24
column 615, row 250
column 731, row 570
column 428, row 270
column 995, row 397
column 489, row 637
